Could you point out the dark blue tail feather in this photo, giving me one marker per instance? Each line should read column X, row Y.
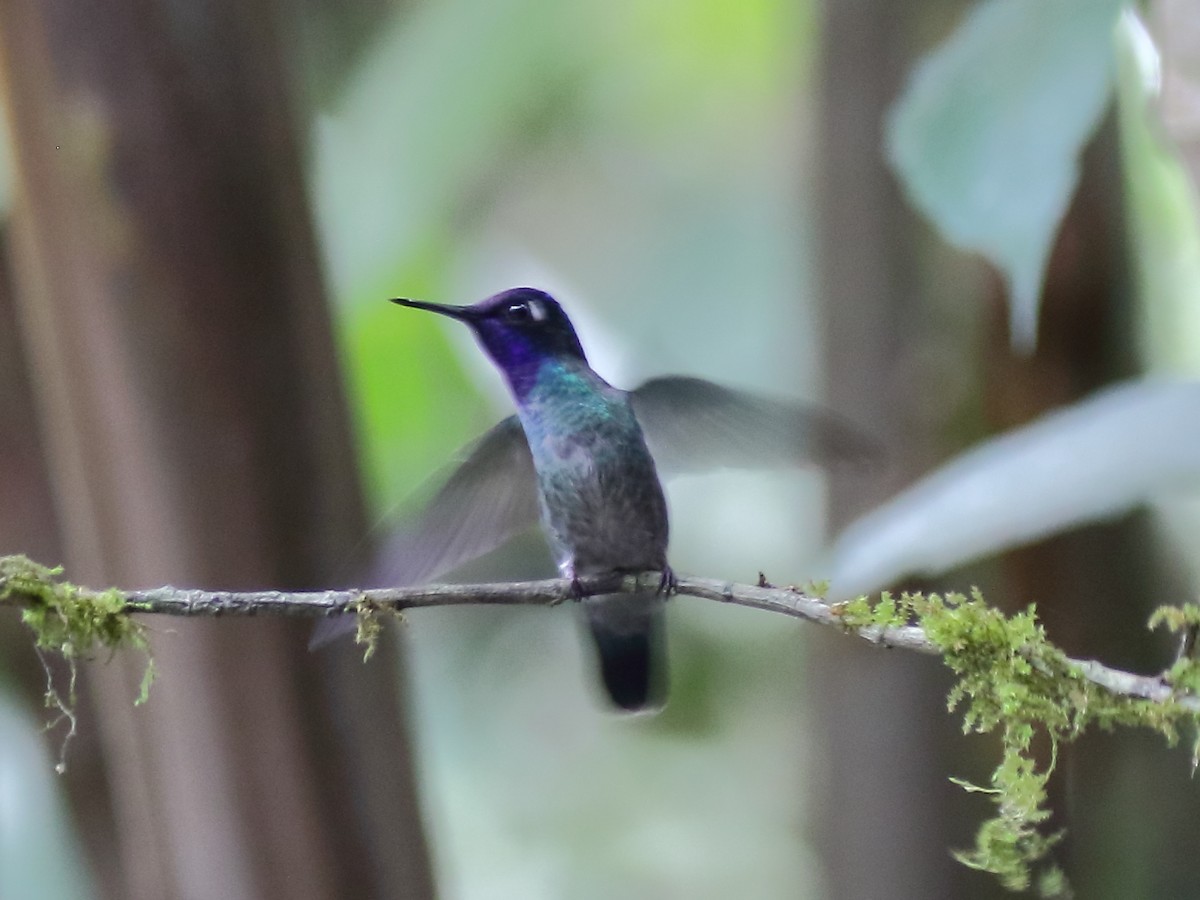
column 632, row 653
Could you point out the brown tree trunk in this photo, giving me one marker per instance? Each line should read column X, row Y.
column 889, row 816
column 188, row 386
column 28, row 526
column 1125, row 800
column 896, row 347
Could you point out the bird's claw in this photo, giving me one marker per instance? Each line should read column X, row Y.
column 667, row 583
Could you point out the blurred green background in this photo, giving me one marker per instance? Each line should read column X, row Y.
column 664, row 170
column 639, row 162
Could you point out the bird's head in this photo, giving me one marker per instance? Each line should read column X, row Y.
column 519, row 328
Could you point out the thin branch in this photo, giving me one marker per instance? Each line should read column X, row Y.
column 789, row 601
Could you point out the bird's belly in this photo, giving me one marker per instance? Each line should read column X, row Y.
column 602, row 517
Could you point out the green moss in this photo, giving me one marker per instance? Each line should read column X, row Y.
column 369, row 624
column 1012, row 681
column 65, row 618
column 818, row 589
column 855, row 614
column 1010, row 841
column 888, row 612
column 1184, row 675
column 72, row 622
column 1053, row 883
column 1176, row 618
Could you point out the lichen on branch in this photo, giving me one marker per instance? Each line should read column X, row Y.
column 1014, row 682
column 73, row 623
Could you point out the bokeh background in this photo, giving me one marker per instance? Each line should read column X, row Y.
column 206, row 205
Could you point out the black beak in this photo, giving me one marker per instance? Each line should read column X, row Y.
column 462, row 313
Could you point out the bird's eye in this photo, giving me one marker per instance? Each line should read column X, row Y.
column 519, row 312
column 526, row 311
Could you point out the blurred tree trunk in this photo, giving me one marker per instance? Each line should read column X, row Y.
column 28, row 525
column 192, row 407
column 898, row 359
column 888, row 319
column 1124, row 798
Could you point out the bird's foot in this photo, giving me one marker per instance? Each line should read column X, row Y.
column 667, row 583
column 575, row 591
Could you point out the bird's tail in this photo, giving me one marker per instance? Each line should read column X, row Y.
column 629, row 631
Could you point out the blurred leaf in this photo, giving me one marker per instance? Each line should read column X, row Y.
column 986, row 137
column 1164, row 226
column 1090, row 461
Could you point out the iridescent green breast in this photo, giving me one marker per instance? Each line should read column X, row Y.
column 571, row 404
column 602, row 505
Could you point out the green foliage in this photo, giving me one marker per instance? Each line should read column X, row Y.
column 1184, row 675
column 64, row 617
column 72, row 622
column 1006, row 843
column 370, row 627
column 1012, row 681
column 818, row 588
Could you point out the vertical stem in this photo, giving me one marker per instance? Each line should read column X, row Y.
column 880, row 719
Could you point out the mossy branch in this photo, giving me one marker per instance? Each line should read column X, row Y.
column 1011, row 679
column 74, row 623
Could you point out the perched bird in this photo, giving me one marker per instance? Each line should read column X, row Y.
column 586, row 457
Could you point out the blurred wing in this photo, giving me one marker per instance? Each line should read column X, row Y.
column 692, row 425
column 490, row 497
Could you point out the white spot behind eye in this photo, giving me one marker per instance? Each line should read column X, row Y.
column 537, row 310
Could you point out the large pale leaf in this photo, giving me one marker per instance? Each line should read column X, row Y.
column 987, row 136
column 1090, row 461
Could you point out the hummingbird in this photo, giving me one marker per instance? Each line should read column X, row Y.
column 586, row 459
